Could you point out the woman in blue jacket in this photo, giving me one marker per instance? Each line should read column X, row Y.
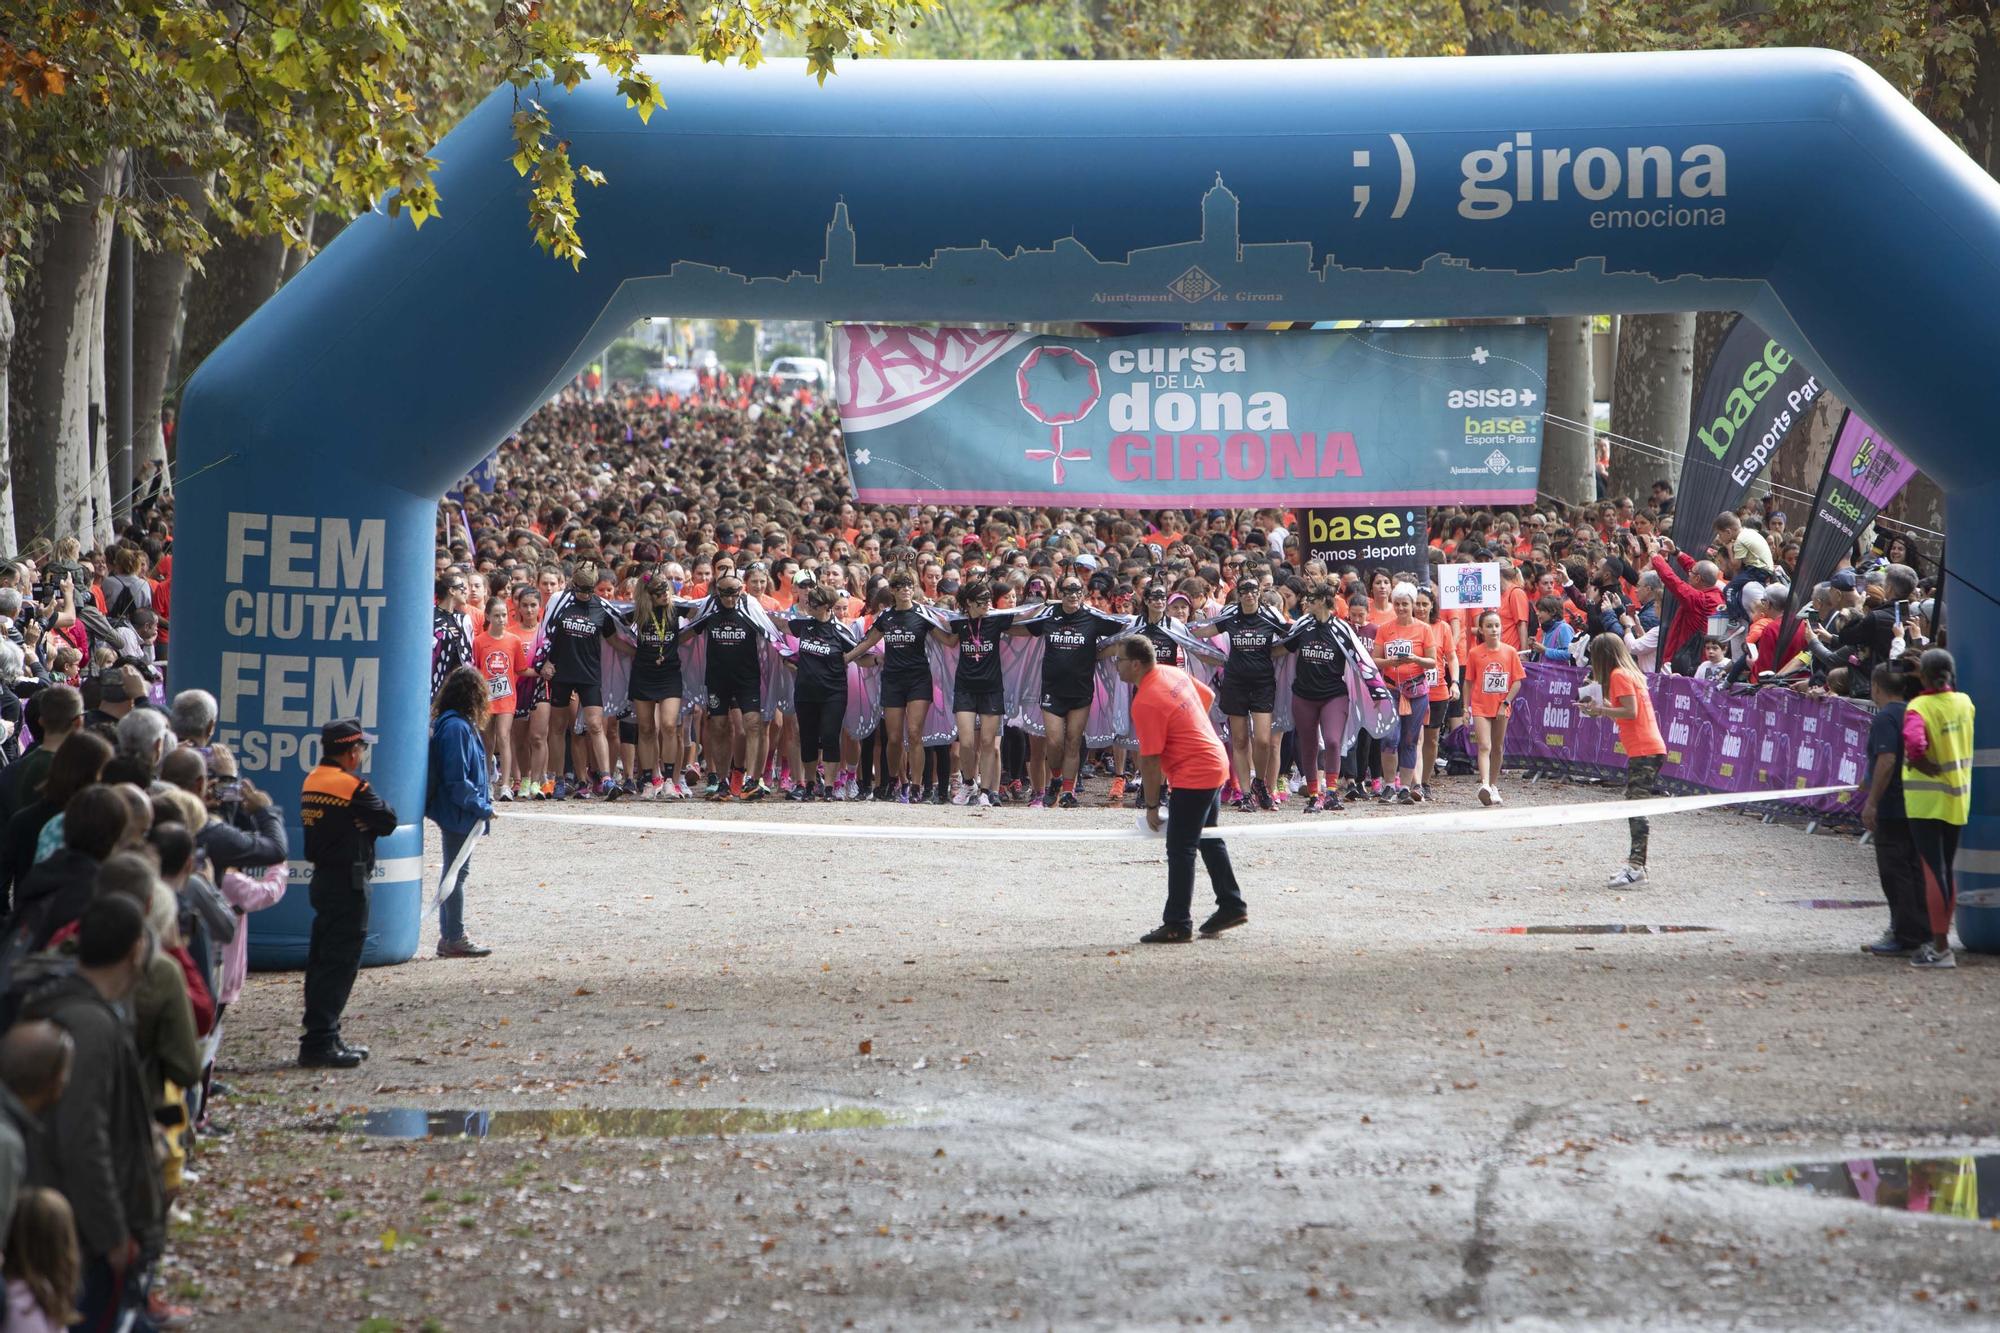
column 458, row 795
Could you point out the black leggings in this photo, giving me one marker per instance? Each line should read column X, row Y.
column 819, row 727
column 1937, row 847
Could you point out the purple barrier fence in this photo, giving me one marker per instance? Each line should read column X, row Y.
column 1716, row 741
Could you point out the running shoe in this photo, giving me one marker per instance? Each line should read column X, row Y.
column 756, row 791
column 798, row 794
column 1353, row 792
column 938, row 797
column 960, row 793
column 1629, row 877
column 712, row 789
column 1496, row 796
column 584, row 792
column 610, row 789
column 1221, row 921
column 506, row 793
column 1404, row 796
column 852, row 788
column 1888, row 946
column 825, row 792
column 1035, row 802
column 1331, row 804
column 1312, row 805
column 1231, row 793
column 1387, row 795
column 1424, row 791
column 1485, row 794
column 1262, row 793
column 1244, row 805
column 1929, row 955
column 1167, row 935
column 983, row 799
column 902, row 793
column 1117, row 792
column 924, row 797
column 1068, row 801
column 561, row 792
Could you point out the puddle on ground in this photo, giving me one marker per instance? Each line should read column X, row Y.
column 1834, row 904
column 1601, row 928
column 1965, row 1187
column 621, row 1123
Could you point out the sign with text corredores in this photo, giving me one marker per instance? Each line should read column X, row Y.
column 1410, row 417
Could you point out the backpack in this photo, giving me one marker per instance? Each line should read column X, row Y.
column 102, row 630
column 1687, row 657
column 25, row 977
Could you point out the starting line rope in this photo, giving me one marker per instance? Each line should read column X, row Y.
column 1486, row 819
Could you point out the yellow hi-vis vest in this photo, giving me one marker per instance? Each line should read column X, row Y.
column 1948, row 795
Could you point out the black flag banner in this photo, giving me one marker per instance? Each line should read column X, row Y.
column 1755, row 396
column 1863, row 474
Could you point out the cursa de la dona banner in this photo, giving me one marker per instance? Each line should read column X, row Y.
column 1411, row 417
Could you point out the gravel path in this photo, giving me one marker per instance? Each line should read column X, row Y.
column 1358, row 1109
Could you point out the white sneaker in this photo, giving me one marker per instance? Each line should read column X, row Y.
column 851, row 790
column 1929, row 955
column 1495, row 789
column 1486, row 794
column 1627, row 877
column 981, row 799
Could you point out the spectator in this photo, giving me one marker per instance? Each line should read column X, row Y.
column 34, row 1068
column 43, row 1265
column 79, row 765
column 1696, row 598
column 193, row 717
column 56, row 892
column 59, row 710
column 98, row 1148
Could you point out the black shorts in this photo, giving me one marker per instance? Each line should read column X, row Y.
column 1062, row 705
column 1241, row 700
column 730, row 695
column 898, row 691
column 1440, row 712
column 985, row 703
column 657, row 690
column 587, row 696
column 628, row 731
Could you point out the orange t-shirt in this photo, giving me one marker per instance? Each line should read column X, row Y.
column 500, row 659
column 1514, row 615
column 1639, row 735
column 1395, row 642
column 1170, row 717
column 1489, row 674
column 1381, row 616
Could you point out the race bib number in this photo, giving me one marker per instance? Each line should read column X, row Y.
column 1433, row 677
column 1399, row 647
column 499, row 687
column 1494, row 681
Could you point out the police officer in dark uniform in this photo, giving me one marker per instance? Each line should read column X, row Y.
column 342, row 816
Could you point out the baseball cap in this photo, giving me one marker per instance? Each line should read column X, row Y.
column 343, row 731
column 1086, row 560
column 1843, row 579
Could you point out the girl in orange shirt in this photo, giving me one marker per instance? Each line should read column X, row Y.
column 1493, row 676
column 1406, row 650
column 1444, row 685
column 1623, row 699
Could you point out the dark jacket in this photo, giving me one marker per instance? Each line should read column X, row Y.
column 54, row 894
column 97, row 1147
column 232, row 848
column 456, row 795
column 342, row 816
column 17, row 846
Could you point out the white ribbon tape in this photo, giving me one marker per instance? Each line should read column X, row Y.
column 1484, row 820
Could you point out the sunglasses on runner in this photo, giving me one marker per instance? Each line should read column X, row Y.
column 1069, row 588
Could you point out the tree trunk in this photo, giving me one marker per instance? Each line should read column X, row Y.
column 52, row 361
column 103, row 529
column 1567, row 469
column 1652, row 393
column 6, row 471
column 238, row 275
column 159, row 280
column 1977, row 124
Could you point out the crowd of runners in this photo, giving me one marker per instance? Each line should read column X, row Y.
column 677, row 599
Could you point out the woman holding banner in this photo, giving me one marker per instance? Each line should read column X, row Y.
column 1406, row 651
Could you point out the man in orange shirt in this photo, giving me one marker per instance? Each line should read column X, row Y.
column 1178, row 745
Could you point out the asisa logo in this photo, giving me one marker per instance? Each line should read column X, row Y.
column 1462, row 398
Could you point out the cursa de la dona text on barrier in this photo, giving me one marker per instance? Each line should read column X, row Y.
column 295, row 586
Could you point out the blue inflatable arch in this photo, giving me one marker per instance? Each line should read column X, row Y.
column 1796, row 186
